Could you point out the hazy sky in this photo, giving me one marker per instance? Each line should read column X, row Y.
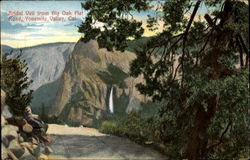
column 28, row 33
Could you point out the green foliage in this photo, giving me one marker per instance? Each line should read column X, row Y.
column 109, row 127
column 132, row 126
column 113, row 76
column 111, row 14
column 231, row 120
column 191, row 65
column 53, row 120
column 15, row 83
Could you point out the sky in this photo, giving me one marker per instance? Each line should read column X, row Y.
column 28, row 33
column 24, row 32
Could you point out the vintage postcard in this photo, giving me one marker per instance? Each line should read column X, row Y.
column 124, row 79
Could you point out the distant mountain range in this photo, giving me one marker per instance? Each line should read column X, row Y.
column 46, row 63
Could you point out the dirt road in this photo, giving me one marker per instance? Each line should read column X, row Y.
column 80, row 143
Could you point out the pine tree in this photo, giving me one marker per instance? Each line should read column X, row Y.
column 15, row 83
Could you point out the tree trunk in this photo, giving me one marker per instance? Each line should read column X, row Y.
column 197, row 144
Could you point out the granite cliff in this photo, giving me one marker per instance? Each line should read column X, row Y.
column 86, row 82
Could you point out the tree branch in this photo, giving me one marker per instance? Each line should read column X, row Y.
column 244, row 48
column 222, row 135
column 241, row 53
column 197, row 5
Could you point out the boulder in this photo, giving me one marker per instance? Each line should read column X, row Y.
column 34, row 141
column 10, row 131
column 20, row 139
column 47, row 150
column 28, row 147
column 4, row 152
column 16, row 149
column 36, row 149
column 28, row 157
column 6, row 112
column 27, row 128
column 12, row 156
column 16, row 121
column 3, row 95
column 3, row 121
column 5, row 141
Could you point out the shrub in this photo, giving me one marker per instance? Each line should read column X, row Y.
column 109, row 127
column 132, row 126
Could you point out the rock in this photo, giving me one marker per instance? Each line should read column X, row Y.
column 12, row 156
column 47, row 150
column 6, row 112
column 28, row 157
column 46, row 139
column 36, row 149
column 27, row 128
column 11, row 137
column 9, row 131
column 28, row 147
column 20, row 139
column 3, row 95
column 3, row 121
column 86, row 82
column 25, row 136
column 16, row 149
column 5, row 141
column 34, row 141
column 16, row 121
column 4, row 152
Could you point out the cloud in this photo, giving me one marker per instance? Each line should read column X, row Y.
column 8, row 27
column 11, row 38
column 77, row 22
column 41, row 35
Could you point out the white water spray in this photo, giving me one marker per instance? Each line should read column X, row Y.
column 111, row 103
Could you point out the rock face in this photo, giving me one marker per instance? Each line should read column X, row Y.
column 85, row 86
column 46, row 63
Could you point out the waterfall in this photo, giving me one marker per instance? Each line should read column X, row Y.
column 111, row 103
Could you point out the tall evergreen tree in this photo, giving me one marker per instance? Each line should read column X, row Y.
column 198, row 67
column 15, row 83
